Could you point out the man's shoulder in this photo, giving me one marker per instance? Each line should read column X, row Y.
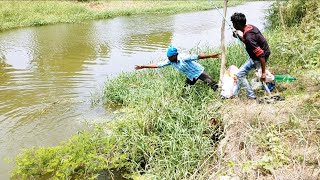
column 187, row 57
column 251, row 34
column 253, row 30
column 163, row 63
column 183, row 56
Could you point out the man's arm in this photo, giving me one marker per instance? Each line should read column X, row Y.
column 259, row 52
column 263, row 68
column 235, row 35
column 205, row 56
column 159, row 65
column 137, row 67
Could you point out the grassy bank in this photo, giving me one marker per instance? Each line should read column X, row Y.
column 14, row 14
column 164, row 132
column 278, row 141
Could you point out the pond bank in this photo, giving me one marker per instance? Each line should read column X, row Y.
column 15, row 14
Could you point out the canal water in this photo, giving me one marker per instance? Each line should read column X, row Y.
column 52, row 77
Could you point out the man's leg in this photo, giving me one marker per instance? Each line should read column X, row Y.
column 205, row 77
column 242, row 80
column 189, row 82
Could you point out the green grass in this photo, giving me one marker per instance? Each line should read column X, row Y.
column 15, row 14
column 166, row 132
column 163, row 132
column 296, row 43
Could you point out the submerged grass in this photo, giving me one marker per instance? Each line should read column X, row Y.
column 15, row 14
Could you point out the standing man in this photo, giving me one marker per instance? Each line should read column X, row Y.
column 186, row 65
column 257, row 48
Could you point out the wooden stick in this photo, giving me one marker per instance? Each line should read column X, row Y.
column 223, row 47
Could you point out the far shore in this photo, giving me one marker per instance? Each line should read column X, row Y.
column 16, row 14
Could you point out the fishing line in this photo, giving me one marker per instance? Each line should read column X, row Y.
column 231, row 27
column 235, row 32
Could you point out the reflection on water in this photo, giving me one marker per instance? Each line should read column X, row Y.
column 48, row 75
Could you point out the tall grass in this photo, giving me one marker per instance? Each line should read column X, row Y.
column 163, row 133
column 292, row 12
column 173, row 120
column 295, row 38
column 278, row 141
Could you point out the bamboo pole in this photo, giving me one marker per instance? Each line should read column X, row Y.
column 223, row 46
column 279, row 4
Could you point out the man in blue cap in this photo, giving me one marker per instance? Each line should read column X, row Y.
column 186, row 65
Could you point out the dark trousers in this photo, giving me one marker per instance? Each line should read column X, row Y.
column 205, row 77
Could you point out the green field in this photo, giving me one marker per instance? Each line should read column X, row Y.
column 15, row 14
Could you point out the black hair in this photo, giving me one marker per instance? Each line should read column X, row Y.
column 239, row 18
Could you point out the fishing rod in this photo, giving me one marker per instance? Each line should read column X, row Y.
column 234, row 31
column 240, row 41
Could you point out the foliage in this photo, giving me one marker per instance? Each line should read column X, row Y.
column 82, row 157
column 296, row 44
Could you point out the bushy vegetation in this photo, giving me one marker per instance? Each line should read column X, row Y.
column 295, row 37
column 287, row 13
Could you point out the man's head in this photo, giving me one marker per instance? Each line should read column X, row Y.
column 172, row 53
column 239, row 21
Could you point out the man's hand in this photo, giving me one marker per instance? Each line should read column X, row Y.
column 205, row 56
column 137, row 67
column 216, row 55
column 263, row 77
column 235, row 34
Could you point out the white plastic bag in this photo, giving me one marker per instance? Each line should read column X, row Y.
column 256, row 84
column 269, row 76
column 229, row 83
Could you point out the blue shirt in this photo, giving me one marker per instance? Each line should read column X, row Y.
column 187, row 65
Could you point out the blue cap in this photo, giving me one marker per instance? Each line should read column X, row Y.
column 172, row 51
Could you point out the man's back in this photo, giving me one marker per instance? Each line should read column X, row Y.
column 256, row 44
